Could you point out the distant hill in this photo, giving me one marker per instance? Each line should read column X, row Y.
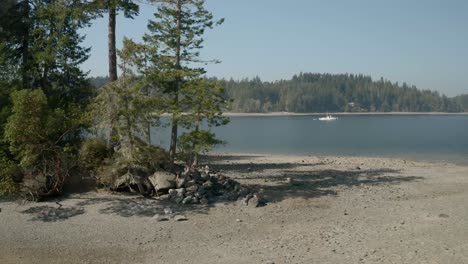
column 98, row 82
column 315, row 92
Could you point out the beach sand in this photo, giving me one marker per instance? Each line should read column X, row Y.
column 337, row 210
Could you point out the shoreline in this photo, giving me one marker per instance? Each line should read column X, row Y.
column 461, row 162
column 320, row 209
column 238, row 114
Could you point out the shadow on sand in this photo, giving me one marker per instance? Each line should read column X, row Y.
column 304, row 183
column 47, row 213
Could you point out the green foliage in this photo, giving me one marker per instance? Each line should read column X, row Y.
column 26, row 127
column 8, row 171
column 203, row 101
column 93, row 153
column 197, row 142
column 173, row 45
column 39, row 138
column 125, row 169
column 124, row 106
column 313, row 92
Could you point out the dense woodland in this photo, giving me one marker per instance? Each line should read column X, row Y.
column 54, row 126
column 313, row 92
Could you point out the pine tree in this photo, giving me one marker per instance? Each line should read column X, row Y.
column 177, row 32
column 203, row 103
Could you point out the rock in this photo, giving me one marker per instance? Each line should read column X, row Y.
column 180, row 191
column 180, row 218
column 243, row 191
column 238, row 220
column 168, row 211
column 179, row 199
column 358, row 168
column 164, row 197
column 180, row 182
column 163, row 181
column 160, row 218
column 202, row 190
column 222, row 178
column 196, row 175
column 254, row 201
column 207, row 184
column 207, row 169
column 190, row 184
column 204, row 200
column 244, row 201
column 187, row 199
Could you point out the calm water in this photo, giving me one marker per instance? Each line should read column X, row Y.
column 426, row 137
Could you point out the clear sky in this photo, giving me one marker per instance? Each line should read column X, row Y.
column 421, row 42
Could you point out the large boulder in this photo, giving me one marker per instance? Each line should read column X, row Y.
column 163, row 181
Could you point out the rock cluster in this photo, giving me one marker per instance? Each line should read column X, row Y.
column 201, row 186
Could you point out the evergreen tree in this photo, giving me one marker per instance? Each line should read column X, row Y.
column 203, row 102
column 176, row 34
column 42, row 56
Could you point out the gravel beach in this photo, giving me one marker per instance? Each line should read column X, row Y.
column 319, row 210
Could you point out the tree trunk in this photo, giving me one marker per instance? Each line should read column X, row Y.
column 25, row 44
column 173, row 147
column 195, row 154
column 111, row 42
column 112, row 60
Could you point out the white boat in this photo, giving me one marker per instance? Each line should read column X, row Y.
column 328, row 118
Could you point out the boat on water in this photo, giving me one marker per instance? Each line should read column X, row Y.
column 328, row 118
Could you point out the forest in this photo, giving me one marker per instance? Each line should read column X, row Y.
column 55, row 126
column 315, row 92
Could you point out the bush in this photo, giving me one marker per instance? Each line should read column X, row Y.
column 128, row 168
column 42, row 140
column 194, row 143
column 93, row 153
column 8, row 172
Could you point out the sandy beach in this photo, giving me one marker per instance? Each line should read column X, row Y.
column 332, row 210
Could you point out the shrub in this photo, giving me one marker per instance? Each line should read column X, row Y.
column 194, row 143
column 93, row 153
column 8, row 172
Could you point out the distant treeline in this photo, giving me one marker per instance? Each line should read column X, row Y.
column 315, row 92
column 463, row 101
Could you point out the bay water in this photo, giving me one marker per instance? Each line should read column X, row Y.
column 418, row 137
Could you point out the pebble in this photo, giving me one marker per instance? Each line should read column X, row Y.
column 443, row 215
column 160, row 218
column 180, row 218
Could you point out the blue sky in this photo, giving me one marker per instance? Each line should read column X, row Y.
column 421, row 42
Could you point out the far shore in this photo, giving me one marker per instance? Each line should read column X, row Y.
column 339, row 113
